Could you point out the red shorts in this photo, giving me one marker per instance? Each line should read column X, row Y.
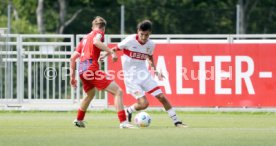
column 91, row 79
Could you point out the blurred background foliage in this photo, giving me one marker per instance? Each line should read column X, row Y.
column 168, row 16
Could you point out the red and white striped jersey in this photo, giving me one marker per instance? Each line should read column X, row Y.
column 135, row 53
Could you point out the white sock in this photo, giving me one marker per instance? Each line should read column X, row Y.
column 131, row 109
column 172, row 115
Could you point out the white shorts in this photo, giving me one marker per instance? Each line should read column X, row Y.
column 137, row 88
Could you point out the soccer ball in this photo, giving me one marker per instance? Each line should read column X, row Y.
column 142, row 119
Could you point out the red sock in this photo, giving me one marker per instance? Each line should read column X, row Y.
column 122, row 116
column 81, row 115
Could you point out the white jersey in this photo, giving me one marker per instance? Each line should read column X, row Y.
column 136, row 74
column 135, row 54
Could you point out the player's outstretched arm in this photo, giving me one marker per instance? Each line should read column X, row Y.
column 103, row 47
column 103, row 56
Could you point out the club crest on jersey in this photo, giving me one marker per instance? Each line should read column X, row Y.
column 147, row 50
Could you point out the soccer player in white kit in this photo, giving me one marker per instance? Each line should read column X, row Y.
column 138, row 48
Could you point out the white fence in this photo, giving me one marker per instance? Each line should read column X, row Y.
column 34, row 69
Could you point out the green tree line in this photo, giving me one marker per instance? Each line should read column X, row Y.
column 168, row 16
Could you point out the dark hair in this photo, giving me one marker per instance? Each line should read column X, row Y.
column 145, row 25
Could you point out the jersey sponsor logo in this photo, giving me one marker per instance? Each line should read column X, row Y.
column 136, row 55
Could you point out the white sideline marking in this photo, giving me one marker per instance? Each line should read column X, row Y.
column 265, row 74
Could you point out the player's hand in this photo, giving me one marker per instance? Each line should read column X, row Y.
column 73, row 82
column 113, row 50
column 114, row 57
column 102, row 56
column 159, row 75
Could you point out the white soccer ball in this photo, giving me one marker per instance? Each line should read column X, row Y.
column 142, row 119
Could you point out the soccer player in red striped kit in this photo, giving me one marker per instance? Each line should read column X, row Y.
column 88, row 50
column 138, row 48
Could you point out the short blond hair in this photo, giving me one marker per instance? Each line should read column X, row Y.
column 98, row 22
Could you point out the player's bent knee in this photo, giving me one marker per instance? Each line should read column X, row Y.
column 119, row 92
column 161, row 98
column 144, row 105
column 114, row 89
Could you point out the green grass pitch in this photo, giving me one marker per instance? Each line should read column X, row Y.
column 205, row 129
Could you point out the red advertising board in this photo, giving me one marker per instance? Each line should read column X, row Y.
column 208, row 75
